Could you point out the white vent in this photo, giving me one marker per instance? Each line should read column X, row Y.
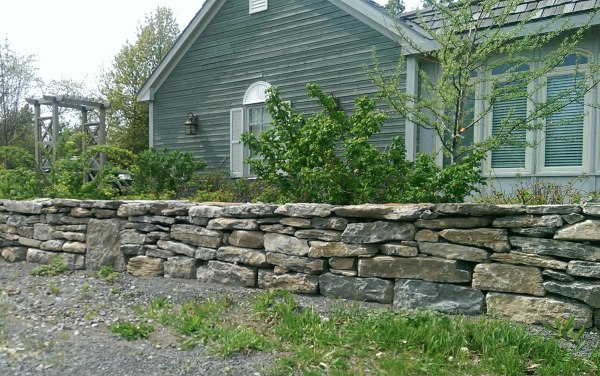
column 258, row 5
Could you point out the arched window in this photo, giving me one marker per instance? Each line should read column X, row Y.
column 252, row 117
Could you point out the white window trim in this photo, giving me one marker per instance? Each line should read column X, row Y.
column 587, row 131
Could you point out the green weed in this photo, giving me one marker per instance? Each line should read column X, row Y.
column 53, row 288
column 565, row 329
column 132, row 331
column 108, row 274
column 56, row 267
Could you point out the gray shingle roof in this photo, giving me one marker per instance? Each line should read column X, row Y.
column 532, row 10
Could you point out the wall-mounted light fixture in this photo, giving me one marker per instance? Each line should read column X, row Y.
column 191, row 124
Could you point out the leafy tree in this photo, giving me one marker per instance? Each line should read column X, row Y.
column 395, row 7
column 468, row 50
column 17, row 80
column 127, row 118
column 70, row 118
column 327, row 157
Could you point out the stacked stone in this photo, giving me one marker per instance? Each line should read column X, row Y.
column 534, row 264
column 38, row 231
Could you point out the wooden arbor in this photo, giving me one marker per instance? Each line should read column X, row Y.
column 47, row 128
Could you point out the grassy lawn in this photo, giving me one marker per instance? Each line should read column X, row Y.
column 359, row 341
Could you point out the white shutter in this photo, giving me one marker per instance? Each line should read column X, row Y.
column 236, row 151
column 258, row 5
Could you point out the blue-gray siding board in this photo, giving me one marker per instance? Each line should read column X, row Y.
column 289, row 45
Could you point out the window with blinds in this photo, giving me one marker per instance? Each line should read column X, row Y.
column 507, row 114
column 564, row 128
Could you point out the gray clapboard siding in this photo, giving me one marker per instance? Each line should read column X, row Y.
column 289, row 45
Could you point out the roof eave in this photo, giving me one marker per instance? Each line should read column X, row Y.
column 395, row 29
column 179, row 49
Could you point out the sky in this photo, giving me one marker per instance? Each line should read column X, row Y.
column 74, row 39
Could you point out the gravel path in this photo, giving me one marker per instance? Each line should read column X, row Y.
column 59, row 326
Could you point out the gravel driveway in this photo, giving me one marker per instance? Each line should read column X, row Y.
column 58, row 326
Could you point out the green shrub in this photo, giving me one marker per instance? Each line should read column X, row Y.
column 55, row 267
column 19, row 179
column 163, row 173
column 327, row 157
column 69, row 176
column 14, row 157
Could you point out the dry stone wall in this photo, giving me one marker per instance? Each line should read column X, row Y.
column 533, row 264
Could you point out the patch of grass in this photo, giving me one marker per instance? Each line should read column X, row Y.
column 565, row 329
column 56, row 267
column 132, row 331
column 90, row 315
column 358, row 341
column 4, row 318
column 86, row 289
column 53, row 288
column 108, row 274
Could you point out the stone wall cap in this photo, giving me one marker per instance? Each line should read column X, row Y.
column 388, row 211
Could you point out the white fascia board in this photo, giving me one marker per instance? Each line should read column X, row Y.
column 386, row 25
column 179, row 49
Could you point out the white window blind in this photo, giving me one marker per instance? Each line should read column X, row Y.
column 506, row 114
column 258, row 5
column 564, row 128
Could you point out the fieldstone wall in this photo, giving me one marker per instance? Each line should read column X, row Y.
column 533, row 264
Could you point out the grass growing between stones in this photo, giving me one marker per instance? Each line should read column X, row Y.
column 359, row 341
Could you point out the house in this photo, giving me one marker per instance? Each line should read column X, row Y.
column 233, row 50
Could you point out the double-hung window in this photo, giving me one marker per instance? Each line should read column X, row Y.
column 563, row 139
column 507, row 122
column 559, row 102
column 252, row 117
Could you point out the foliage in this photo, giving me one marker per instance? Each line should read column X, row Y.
column 56, row 267
column 535, row 192
column 107, row 273
column 18, row 177
column 217, row 185
column 395, row 7
column 163, row 172
column 17, row 80
column 127, row 118
column 69, row 174
column 327, row 157
column 467, row 51
column 349, row 339
column 566, row 330
column 13, row 157
column 131, row 331
column 70, row 118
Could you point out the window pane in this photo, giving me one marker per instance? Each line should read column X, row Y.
column 564, row 128
column 506, row 115
column 574, row 59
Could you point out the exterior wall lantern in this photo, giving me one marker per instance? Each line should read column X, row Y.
column 191, row 124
